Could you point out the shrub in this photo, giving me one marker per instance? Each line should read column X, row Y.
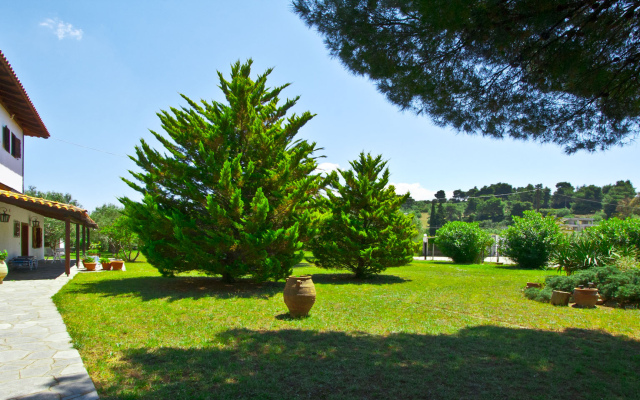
column 531, row 239
column 618, row 232
column 462, row 241
column 362, row 228
column 580, row 251
column 620, row 286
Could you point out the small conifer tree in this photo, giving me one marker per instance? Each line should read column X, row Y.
column 231, row 195
column 362, row 228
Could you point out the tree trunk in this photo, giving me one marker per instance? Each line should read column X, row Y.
column 228, row 278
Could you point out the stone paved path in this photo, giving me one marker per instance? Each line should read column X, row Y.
column 37, row 359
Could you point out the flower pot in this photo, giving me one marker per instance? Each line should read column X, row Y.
column 299, row 295
column 585, row 298
column 90, row 266
column 533, row 284
column 3, row 270
column 106, row 266
column 559, row 298
column 117, row 265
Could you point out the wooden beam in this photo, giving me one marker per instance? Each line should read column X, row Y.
column 67, row 248
column 89, row 236
column 77, row 245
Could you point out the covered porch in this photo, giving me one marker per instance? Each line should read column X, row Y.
column 71, row 215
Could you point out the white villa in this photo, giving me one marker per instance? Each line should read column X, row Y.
column 578, row 224
column 21, row 216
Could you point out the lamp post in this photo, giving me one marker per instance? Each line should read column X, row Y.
column 425, row 245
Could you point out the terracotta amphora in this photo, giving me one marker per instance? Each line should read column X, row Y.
column 299, row 295
column 3, row 270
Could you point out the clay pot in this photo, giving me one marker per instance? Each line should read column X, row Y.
column 299, row 295
column 106, row 266
column 117, row 265
column 586, row 298
column 559, row 298
column 533, row 284
column 3, row 271
column 90, row 266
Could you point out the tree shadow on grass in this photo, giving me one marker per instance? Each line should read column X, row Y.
column 349, row 279
column 484, row 362
column 191, row 287
column 516, row 267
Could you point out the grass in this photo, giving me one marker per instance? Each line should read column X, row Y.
column 427, row 330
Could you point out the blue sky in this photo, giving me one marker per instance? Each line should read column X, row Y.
column 99, row 71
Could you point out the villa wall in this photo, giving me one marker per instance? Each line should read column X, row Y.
column 11, row 169
column 13, row 244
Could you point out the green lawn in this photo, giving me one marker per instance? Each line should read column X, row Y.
column 429, row 330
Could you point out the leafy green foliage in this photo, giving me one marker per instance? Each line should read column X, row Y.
column 3, row 255
column 620, row 286
column 464, row 242
column 588, row 200
column 552, row 71
column 619, row 232
column 105, row 216
column 232, row 193
column 580, row 251
column 531, row 239
column 363, row 229
column 613, row 194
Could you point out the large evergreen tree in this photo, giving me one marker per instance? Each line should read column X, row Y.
column 363, row 229
column 231, row 194
column 558, row 71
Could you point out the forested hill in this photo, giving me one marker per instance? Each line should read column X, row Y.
column 493, row 205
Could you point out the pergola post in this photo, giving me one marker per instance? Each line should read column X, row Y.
column 84, row 241
column 67, row 246
column 89, row 236
column 77, row 245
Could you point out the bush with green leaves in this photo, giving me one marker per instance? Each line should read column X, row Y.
column 579, row 251
column 464, row 242
column 531, row 239
column 622, row 287
column 618, row 232
column 362, row 228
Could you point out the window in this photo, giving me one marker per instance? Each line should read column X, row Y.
column 6, row 138
column 16, row 148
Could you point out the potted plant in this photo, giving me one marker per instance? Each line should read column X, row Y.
column 89, row 263
column 106, row 264
column 3, row 266
column 117, row 264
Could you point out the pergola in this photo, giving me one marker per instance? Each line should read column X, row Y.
column 64, row 212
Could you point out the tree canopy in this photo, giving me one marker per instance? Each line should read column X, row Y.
column 559, row 71
column 361, row 228
column 232, row 193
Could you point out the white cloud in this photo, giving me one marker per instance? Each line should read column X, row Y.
column 62, row 29
column 326, row 167
column 417, row 191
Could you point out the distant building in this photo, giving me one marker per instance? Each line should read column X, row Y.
column 578, row 224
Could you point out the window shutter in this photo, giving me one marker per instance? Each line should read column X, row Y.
column 6, row 137
column 16, row 149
